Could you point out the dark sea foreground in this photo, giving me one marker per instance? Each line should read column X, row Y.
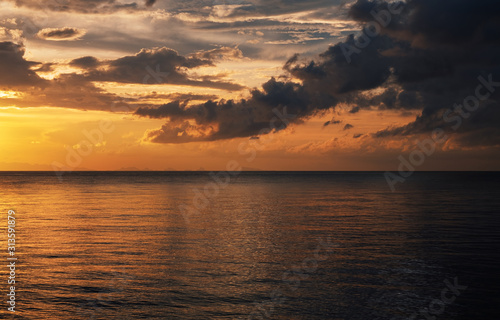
column 261, row 246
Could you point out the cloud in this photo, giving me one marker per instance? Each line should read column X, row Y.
column 354, row 110
column 79, row 91
column 178, row 96
column 149, row 3
column 270, row 109
column 61, row 34
column 163, row 24
column 87, row 62
column 15, row 71
column 333, row 121
column 10, row 34
column 416, row 63
column 154, row 66
column 222, row 53
column 435, row 64
column 68, row 91
column 413, row 63
column 45, row 67
column 81, row 6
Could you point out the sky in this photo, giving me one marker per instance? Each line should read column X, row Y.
column 274, row 85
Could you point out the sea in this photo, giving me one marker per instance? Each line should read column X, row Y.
column 250, row 245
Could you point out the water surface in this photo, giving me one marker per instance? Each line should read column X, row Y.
column 265, row 246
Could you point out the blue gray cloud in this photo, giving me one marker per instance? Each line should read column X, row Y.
column 412, row 62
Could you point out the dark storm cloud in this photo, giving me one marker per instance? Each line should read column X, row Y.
column 15, row 71
column 443, row 23
column 333, row 75
column 325, row 83
column 439, row 50
column 149, row 3
column 272, row 108
column 427, row 57
column 151, row 66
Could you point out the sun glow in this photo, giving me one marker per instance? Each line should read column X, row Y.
column 10, row 94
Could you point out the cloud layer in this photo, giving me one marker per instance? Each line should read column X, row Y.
column 157, row 66
column 415, row 55
column 426, row 56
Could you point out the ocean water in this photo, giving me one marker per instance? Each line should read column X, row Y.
column 258, row 246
